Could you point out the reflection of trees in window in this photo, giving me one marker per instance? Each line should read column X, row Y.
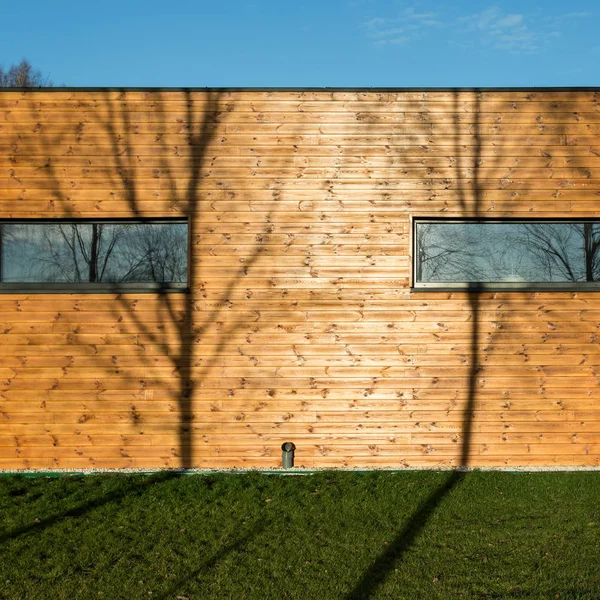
column 95, row 252
column 500, row 252
column 79, row 253
column 466, row 252
column 447, row 255
column 152, row 254
column 564, row 251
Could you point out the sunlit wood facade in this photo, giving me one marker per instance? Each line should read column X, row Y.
column 300, row 324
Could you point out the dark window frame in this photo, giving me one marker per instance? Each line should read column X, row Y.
column 568, row 286
column 96, row 287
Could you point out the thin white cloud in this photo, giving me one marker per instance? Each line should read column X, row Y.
column 373, row 24
column 491, row 27
column 568, row 16
column 500, row 30
column 510, row 21
column 410, row 24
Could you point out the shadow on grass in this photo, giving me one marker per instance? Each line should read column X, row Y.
column 386, row 561
column 85, row 507
column 212, row 562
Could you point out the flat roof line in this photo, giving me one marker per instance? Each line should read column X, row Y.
column 304, row 89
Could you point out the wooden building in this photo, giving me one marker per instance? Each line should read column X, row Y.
column 302, row 315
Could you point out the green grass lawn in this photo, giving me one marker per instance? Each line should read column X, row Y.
column 323, row 536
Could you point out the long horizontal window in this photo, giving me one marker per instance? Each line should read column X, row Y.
column 507, row 254
column 93, row 255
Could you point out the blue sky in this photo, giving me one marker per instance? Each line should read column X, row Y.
column 306, row 43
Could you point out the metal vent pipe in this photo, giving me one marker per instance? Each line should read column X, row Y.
column 287, row 455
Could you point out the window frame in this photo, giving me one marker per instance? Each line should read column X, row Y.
column 95, row 287
column 562, row 286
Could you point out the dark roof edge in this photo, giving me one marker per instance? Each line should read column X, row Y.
column 305, row 89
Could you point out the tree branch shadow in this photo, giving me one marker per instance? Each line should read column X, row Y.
column 200, row 133
column 198, row 143
column 178, row 321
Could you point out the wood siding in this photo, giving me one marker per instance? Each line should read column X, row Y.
column 300, row 324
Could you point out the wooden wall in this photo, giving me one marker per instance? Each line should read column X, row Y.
column 300, row 324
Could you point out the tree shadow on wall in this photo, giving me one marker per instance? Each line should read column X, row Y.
column 164, row 161
column 190, row 321
column 385, row 563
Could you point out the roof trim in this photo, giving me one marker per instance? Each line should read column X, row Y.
column 304, row 89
